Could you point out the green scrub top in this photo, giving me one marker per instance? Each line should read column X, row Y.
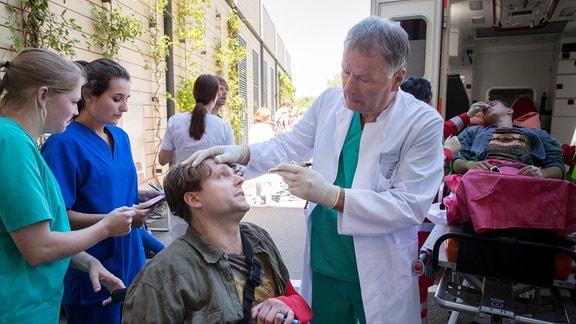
column 333, row 254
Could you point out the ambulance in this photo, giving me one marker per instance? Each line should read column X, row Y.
column 480, row 50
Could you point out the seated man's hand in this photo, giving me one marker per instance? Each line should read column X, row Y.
column 308, row 184
column 221, row 154
column 272, row 311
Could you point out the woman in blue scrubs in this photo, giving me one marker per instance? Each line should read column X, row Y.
column 93, row 164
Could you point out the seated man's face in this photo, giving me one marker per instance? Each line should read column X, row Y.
column 222, row 190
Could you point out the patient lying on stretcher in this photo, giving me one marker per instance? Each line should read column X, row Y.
column 502, row 140
column 497, row 202
column 520, row 154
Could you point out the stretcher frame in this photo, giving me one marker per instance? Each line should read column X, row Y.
column 494, row 300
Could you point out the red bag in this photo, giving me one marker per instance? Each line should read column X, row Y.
column 497, row 200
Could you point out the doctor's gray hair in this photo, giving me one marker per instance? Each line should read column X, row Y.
column 386, row 36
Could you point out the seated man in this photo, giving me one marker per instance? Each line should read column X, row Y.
column 200, row 277
column 502, row 140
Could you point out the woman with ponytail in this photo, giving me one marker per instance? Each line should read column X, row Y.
column 187, row 133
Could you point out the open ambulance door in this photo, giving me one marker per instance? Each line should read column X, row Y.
column 424, row 21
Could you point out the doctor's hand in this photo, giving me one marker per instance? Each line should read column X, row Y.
column 308, row 184
column 476, row 108
column 221, row 154
column 453, row 144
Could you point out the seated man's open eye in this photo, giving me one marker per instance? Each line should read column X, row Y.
column 237, row 169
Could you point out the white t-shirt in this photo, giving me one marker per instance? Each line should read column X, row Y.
column 260, row 132
column 176, row 138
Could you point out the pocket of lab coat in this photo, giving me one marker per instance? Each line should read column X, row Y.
column 386, row 170
column 387, row 162
column 402, row 266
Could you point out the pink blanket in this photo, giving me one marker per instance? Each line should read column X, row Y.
column 493, row 200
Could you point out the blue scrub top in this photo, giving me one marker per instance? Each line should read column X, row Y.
column 96, row 179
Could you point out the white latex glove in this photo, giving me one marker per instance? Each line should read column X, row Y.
column 475, row 108
column 453, row 144
column 308, row 184
column 221, row 154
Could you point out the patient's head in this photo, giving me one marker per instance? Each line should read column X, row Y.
column 210, row 189
column 496, row 110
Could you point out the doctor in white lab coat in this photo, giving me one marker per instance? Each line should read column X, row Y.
column 399, row 169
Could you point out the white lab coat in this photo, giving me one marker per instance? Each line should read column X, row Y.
column 399, row 171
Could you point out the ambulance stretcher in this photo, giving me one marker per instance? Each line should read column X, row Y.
column 523, row 293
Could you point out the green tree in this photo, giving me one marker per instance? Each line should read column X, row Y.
column 336, row 80
column 304, row 101
column 229, row 55
column 287, row 89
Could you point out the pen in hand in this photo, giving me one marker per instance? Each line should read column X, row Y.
column 302, row 164
column 155, row 187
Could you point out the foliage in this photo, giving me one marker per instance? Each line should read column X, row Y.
column 113, row 28
column 160, row 49
column 190, row 24
column 160, row 45
column 287, row 89
column 335, row 81
column 157, row 12
column 32, row 24
column 184, row 96
column 229, row 55
column 189, row 18
column 304, row 102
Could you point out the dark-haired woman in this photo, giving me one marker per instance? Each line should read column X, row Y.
column 92, row 161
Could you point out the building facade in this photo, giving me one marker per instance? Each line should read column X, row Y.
column 153, row 84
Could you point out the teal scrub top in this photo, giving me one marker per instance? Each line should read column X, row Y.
column 29, row 194
column 333, row 254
